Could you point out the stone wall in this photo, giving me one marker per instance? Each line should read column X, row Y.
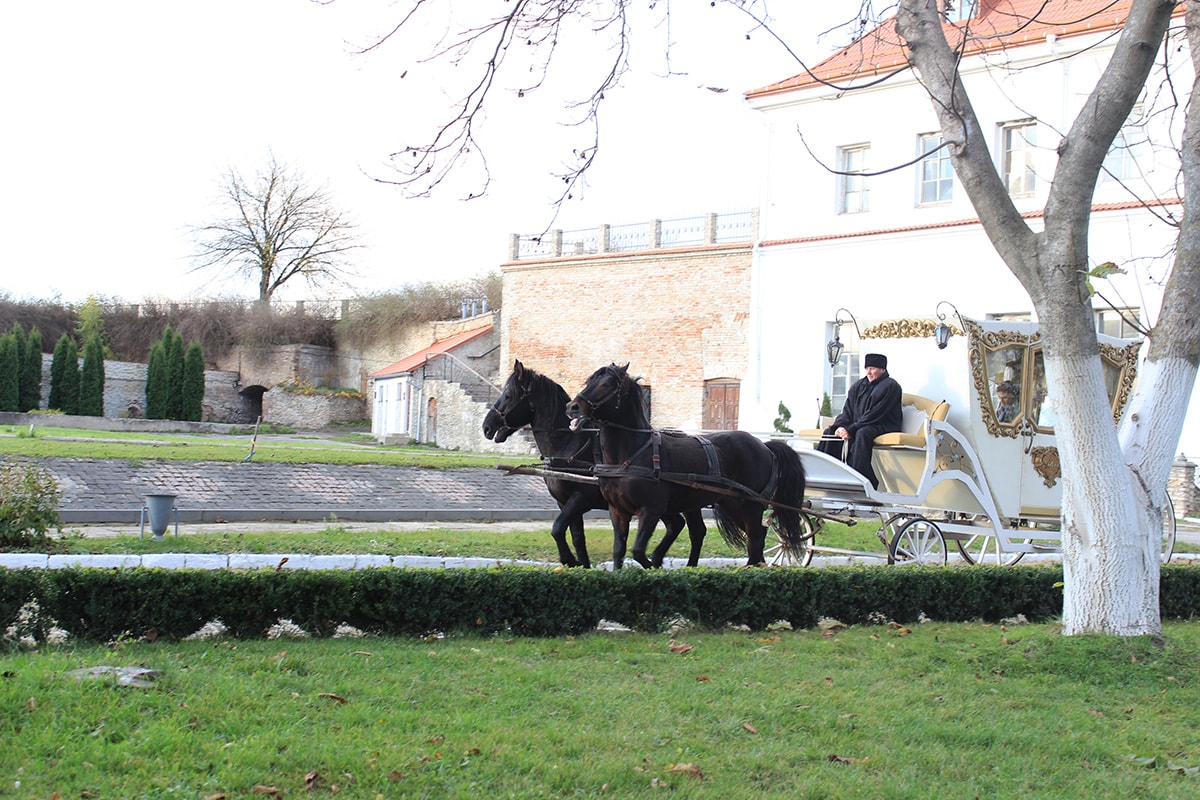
column 125, row 392
column 679, row 317
column 312, row 411
column 460, row 423
column 1181, row 486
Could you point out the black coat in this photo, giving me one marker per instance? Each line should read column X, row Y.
column 873, row 408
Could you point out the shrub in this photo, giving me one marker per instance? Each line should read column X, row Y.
column 29, row 498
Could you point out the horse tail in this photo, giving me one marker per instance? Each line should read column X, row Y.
column 730, row 531
column 789, row 490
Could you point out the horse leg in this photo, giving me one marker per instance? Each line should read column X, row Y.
column 756, row 535
column 620, row 523
column 696, row 531
column 574, row 509
column 674, row 525
column 559, row 531
column 647, row 522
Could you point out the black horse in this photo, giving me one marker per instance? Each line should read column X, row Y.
column 529, row 398
column 648, row 473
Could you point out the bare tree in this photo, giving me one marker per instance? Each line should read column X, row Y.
column 1114, row 479
column 277, row 229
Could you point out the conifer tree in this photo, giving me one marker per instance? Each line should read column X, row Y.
column 64, row 376
column 9, row 373
column 193, row 383
column 173, row 346
column 91, row 385
column 20, row 342
column 156, row 382
column 31, row 373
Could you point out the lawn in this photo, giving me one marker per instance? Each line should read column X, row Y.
column 935, row 710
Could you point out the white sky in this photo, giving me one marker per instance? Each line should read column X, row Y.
column 120, row 118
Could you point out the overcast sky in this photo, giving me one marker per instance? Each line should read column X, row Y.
column 121, row 117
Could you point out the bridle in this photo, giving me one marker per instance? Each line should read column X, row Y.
column 525, row 396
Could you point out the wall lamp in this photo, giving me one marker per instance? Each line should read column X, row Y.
column 834, row 347
column 943, row 332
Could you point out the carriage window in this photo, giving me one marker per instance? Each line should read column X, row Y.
column 1040, row 410
column 1005, row 373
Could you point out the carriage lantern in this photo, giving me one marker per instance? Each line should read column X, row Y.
column 943, row 332
column 834, row 347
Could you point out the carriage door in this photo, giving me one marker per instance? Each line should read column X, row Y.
column 1018, row 450
column 721, row 399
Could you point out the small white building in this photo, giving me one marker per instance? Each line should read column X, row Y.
column 402, row 409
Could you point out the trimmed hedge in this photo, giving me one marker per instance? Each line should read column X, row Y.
column 100, row 605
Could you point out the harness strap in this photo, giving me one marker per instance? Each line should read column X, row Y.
column 710, row 452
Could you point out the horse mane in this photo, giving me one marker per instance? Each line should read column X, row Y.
column 637, row 393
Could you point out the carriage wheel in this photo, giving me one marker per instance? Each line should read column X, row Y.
column 890, row 526
column 781, row 555
column 984, row 548
column 918, row 541
column 1168, row 534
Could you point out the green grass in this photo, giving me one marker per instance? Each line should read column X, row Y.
column 532, row 542
column 938, row 710
column 342, row 448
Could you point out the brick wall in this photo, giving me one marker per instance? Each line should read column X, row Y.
column 679, row 317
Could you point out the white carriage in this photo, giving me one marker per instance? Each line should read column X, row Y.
column 967, row 472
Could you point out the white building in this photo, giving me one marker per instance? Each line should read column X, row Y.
column 898, row 235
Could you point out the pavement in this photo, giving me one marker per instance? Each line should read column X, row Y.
column 114, row 491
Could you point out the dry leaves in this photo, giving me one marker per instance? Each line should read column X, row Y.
column 686, row 769
column 679, row 647
column 749, row 727
column 332, row 696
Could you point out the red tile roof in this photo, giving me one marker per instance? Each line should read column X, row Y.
column 1001, row 24
column 419, row 358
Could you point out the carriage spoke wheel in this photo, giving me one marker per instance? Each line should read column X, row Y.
column 1168, row 534
column 984, row 548
column 780, row 554
column 919, row 541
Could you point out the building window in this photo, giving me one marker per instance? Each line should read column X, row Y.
column 936, row 175
column 721, row 399
column 960, row 10
column 852, row 165
column 1120, row 164
column 1121, row 323
column 1017, row 146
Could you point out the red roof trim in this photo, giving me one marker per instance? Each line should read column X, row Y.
column 1096, row 208
column 419, row 358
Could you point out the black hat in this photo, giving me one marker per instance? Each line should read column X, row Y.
column 875, row 360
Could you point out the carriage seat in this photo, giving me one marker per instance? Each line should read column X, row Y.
column 916, row 410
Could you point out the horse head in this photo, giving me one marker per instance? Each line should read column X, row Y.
column 513, row 409
column 604, row 397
